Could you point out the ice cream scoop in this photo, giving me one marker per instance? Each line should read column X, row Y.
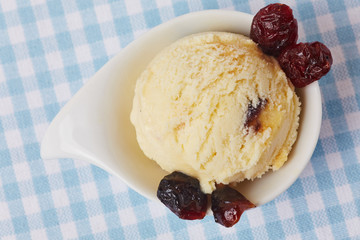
column 214, row 106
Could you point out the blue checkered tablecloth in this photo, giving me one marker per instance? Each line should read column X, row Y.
column 49, row 49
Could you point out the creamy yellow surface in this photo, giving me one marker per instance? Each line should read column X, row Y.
column 191, row 102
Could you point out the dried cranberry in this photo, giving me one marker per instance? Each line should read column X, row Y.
column 183, row 196
column 305, row 63
column 274, row 28
column 227, row 205
column 253, row 114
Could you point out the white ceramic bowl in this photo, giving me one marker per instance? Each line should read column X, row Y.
column 94, row 126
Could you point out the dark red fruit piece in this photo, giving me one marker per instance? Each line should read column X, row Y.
column 274, row 28
column 305, row 63
column 253, row 114
column 227, row 205
column 183, row 196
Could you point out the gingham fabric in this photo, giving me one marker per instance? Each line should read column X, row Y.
column 48, row 51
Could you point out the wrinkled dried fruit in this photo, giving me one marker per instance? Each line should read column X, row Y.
column 274, row 28
column 305, row 63
column 228, row 205
column 183, row 196
column 253, row 114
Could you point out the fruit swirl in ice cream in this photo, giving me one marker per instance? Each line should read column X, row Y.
column 215, row 107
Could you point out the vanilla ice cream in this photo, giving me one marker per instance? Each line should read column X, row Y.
column 215, row 107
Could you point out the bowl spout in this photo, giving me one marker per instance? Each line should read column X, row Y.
column 54, row 144
column 80, row 129
column 72, row 136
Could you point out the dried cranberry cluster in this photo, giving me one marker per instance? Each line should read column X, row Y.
column 183, row 196
column 275, row 29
